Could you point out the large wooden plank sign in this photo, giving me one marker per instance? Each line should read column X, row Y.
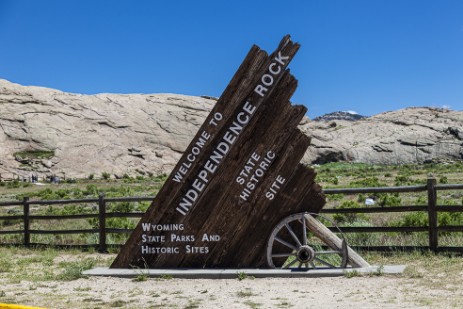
column 237, row 179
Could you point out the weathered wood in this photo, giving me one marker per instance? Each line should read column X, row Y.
column 102, row 224
column 203, row 197
column 26, row 220
column 432, row 214
column 333, row 241
column 244, row 79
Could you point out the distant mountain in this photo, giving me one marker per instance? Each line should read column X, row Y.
column 347, row 116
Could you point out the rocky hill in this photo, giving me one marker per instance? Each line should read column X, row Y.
column 412, row 135
column 91, row 134
column 46, row 131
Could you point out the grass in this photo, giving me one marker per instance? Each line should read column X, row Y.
column 35, row 154
column 41, row 265
column 30, row 271
column 330, row 175
column 245, row 293
column 242, row 276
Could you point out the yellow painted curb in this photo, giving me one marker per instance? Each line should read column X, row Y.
column 7, row 306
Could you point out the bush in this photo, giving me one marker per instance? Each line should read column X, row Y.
column 403, row 180
column 419, row 219
column 367, row 182
column 335, row 197
column 414, row 219
column 73, row 270
column 349, row 217
column 389, row 199
column 105, row 175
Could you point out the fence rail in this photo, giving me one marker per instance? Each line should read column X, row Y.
column 102, row 215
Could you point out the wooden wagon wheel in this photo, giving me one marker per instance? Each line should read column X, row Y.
column 293, row 244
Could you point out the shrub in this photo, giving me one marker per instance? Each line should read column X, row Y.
column 106, row 175
column 421, row 200
column 389, row 199
column 36, row 154
column 335, row 197
column 91, row 176
column 122, row 207
column 414, row 219
column 403, row 180
column 90, row 190
column 349, row 217
column 443, row 179
column 73, row 270
column 367, row 182
column 13, row 184
column 420, row 219
column 361, row 198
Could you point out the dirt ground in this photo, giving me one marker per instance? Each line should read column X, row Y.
column 341, row 292
column 47, row 279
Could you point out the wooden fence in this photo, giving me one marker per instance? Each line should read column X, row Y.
column 432, row 209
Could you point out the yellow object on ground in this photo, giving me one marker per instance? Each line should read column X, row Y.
column 7, row 306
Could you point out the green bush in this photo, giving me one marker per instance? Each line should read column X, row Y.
column 335, row 197
column 73, row 270
column 367, row 182
column 389, row 199
column 122, row 207
column 13, row 184
column 443, row 179
column 414, row 219
column 90, row 190
column 420, row 219
column 349, row 217
column 106, row 175
column 404, row 180
column 36, row 154
column 421, row 200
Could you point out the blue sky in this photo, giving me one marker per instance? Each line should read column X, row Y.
column 367, row 56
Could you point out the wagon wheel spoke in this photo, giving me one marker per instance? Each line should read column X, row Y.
column 290, row 230
column 329, row 252
column 282, row 255
column 291, row 263
column 307, row 251
column 304, row 232
column 325, row 263
column 287, row 244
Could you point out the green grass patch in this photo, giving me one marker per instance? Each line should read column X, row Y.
column 35, row 154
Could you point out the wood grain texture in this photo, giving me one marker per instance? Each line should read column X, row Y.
column 236, row 213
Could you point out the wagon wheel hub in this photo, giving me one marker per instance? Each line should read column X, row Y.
column 305, row 254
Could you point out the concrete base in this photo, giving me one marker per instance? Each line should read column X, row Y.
column 235, row 273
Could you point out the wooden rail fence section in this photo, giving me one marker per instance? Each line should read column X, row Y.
column 432, row 209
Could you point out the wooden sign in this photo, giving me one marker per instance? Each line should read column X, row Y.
column 237, row 179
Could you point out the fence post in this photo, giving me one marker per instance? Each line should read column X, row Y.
column 102, row 224
column 432, row 214
column 27, row 233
